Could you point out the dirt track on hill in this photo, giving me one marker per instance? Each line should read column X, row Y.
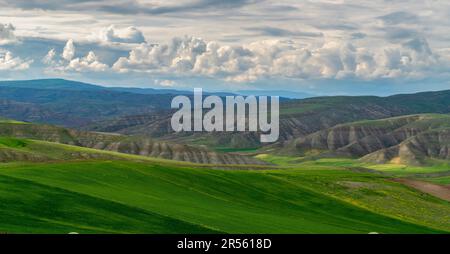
column 440, row 191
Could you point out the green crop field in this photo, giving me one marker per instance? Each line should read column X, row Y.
column 123, row 195
column 74, row 195
column 441, row 180
column 72, row 189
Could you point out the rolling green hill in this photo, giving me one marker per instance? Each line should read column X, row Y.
column 91, row 191
column 137, row 145
column 188, row 200
column 358, row 165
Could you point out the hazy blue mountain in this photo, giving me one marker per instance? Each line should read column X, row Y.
column 60, row 84
column 71, row 103
column 280, row 93
column 63, row 84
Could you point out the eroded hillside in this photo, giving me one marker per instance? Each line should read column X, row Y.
column 137, row 145
column 413, row 139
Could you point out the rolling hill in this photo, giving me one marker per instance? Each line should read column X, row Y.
column 122, row 170
column 142, row 112
column 412, row 139
column 111, row 142
column 298, row 118
column 138, row 194
column 72, row 104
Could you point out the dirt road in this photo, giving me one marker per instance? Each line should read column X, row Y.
column 436, row 190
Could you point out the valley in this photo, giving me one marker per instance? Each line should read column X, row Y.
column 187, row 199
column 80, row 158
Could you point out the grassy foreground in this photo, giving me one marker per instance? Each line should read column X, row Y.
column 88, row 191
column 131, row 197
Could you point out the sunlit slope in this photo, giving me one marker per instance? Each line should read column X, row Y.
column 30, row 207
column 413, row 140
column 152, row 197
column 137, row 145
column 56, row 188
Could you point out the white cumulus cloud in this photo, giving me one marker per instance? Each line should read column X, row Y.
column 8, row 62
column 165, row 83
column 113, row 34
column 68, row 62
column 69, row 50
column 49, row 58
column 88, row 63
column 281, row 58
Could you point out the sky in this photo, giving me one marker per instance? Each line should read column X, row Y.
column 321, row 47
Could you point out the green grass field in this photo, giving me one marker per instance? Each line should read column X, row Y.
column 10, row 121
column 397, row 170
column 171, row 199
column 441, row 180
column 107, row 192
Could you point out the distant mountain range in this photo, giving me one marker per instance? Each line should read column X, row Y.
column 280, row 93
column 72, row 104
column 62, row 84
